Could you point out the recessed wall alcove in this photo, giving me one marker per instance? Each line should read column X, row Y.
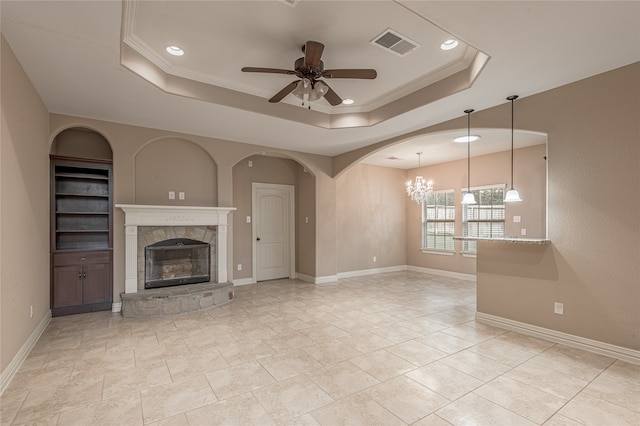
column 177, row 165
column 81, row 227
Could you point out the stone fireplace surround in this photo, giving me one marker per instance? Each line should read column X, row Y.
column 163, row 222
column 149, row 235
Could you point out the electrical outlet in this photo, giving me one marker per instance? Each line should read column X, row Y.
column 172, row 195
column 239, row 266
column 31, row 311
column 375, row 259
column 523, row 232
column 250, row 163
column 181, row 195
column 558, row 308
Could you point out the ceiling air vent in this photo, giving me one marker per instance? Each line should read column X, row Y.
column 395, row 42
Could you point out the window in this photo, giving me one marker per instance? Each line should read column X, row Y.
column 484, row 219
column 438, row 220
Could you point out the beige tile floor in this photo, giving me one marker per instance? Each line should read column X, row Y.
column 390, row 349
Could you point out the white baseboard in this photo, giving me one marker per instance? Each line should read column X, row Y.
column 244, row 281
column 373, row 271
column 442, row 273
column 23, row 353
column 619, row 352
column 116, row 307
column 317, row 280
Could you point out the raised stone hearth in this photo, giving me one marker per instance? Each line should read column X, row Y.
column 145, row 225
column 176, row 300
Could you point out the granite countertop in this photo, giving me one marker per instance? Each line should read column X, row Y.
column 513, row 240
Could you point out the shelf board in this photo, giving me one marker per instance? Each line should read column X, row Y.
column 81, row 176
column 81, row 231
column 74, row 194
column 83, row 213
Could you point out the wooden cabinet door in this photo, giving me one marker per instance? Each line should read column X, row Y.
column 96, row 280
column 67, row 290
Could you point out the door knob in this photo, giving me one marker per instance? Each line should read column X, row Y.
column 258, row 239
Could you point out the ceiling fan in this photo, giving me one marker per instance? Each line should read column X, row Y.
column 309, row 69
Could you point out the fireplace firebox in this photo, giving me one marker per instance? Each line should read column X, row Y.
column 175, row 262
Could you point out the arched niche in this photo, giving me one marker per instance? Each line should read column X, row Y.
column 175, row 165
column 80, row 142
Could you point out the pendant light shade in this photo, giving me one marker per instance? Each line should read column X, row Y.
column 512, row 194
column 468, row 197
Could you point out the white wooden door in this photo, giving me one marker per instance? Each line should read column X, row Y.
column 273, row 216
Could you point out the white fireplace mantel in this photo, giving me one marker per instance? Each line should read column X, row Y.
column 143, row 215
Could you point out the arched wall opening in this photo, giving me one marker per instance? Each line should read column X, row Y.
column 376, row 183
column 273, row 168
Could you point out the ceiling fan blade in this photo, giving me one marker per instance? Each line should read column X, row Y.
column 312, row 53
column 284, row 92
column 269, row 70
column 332, row 97
column 350, row 73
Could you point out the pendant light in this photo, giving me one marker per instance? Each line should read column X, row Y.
column 468, row 197
column 512, row 194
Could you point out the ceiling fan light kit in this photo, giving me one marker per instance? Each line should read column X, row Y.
column 309, row 69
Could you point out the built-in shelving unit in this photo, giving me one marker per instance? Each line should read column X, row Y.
column 81, row 236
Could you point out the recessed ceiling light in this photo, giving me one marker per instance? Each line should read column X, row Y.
column 175, row 50
column 347, row 101
column 449, row 44
column 464, row 139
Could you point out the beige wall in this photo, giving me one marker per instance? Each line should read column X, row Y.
column 24, row 208
column 306, row 223
column 178, row 165
column 530, row 180
column 370, row 211
column 593, row 264
column 81, row 143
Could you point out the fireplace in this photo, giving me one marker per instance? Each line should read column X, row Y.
column 177, row 261
column 147, row 225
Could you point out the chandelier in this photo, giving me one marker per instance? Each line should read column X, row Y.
column 419, row 189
